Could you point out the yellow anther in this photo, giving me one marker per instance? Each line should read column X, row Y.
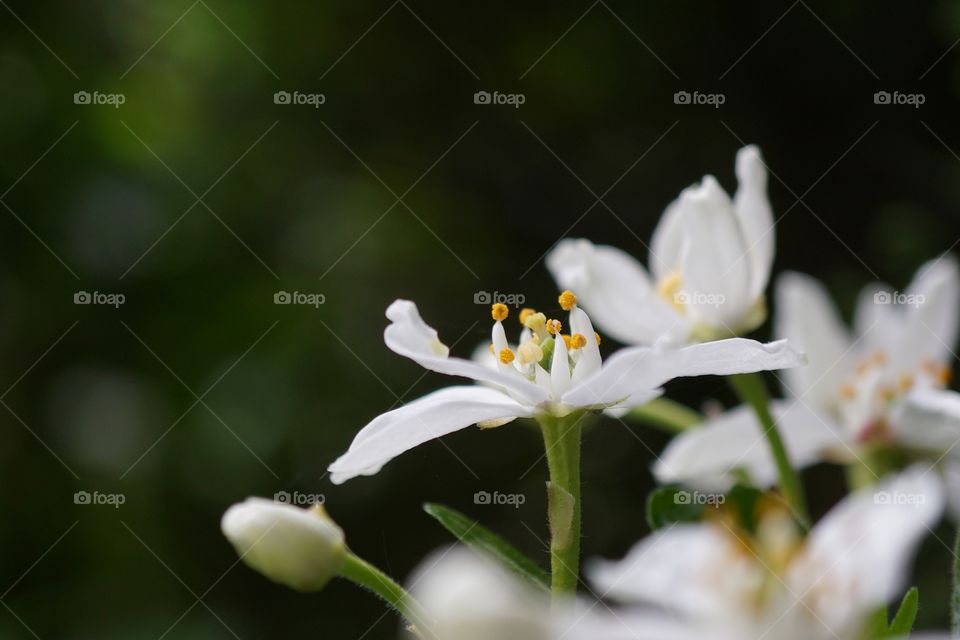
column 880, row 357
column 906, row 381
column 529, row 352
column 525, row 313
column 944, row 374
column 578, row 341
column 554, row 327
column 491, row 348
column 506, row 356
column 668, row 286
column 567, row 341
column 597, row 337
column 848, row 391
column 567, row 300
column 941, row 373
column 499, row 311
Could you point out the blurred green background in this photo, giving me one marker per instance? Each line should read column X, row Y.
column 200, row 391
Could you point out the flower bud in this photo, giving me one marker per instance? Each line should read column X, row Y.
column 300, row 548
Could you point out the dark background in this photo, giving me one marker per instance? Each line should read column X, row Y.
column 104, row 399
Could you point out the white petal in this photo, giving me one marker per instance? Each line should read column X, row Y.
column 668, row 242
column 560, row 367
column 434, row 415
column 615, row 289
column 756, row 216
column 807, row 318
column 707, row 456
column 409, row 336
column 688, row 569
column 857, row 557
column 637, row 369
column 716, row 266
column 931, row 318
column 928, row 419
column 469, row 597
column 588, row 360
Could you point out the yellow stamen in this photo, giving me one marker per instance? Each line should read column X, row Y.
column 554, row 327
column 668, row 286
column 597, row 336
column 906, row 381
column 567, row 300
column 567, row 341
column 499, row 311
column 578, row 341
column 506, row 356
column 526, row 313
column 880, row 357
column 941, row 373
column 848, row 391
column 491, row 348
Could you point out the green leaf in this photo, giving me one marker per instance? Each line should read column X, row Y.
column 903, row 622
column 668, row 505
column 478, row 537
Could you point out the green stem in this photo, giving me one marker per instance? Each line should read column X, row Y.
column 955, row 595
column 361, row 572
column 666, row 414
column 561, row 437
column 752, row 390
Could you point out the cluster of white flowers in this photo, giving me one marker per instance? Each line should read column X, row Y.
column 874, row 399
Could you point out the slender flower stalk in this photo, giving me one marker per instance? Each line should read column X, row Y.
column 667, row 414
column 561, row 438
column 366, row 575
column 752, row 391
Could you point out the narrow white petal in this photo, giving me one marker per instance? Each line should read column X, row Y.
column 616, row 290
column 560, row 366
column 716, row 264
column 928, row 419
column 756, row 216
column 637, row 369
column 687, row 569
column 409, row 336
column 434, row 415
column 588, row 361
column 807, row 318
column 668, row 242
column 707, row 456
column 930, row 314
column 857, row 557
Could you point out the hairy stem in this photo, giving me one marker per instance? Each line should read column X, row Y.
column 561, row 437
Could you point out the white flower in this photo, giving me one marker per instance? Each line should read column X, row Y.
column 710, row 260
column 542, row 376
column 773, row 583
column 882, row 387
column 300, row 548
column 469, row 597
